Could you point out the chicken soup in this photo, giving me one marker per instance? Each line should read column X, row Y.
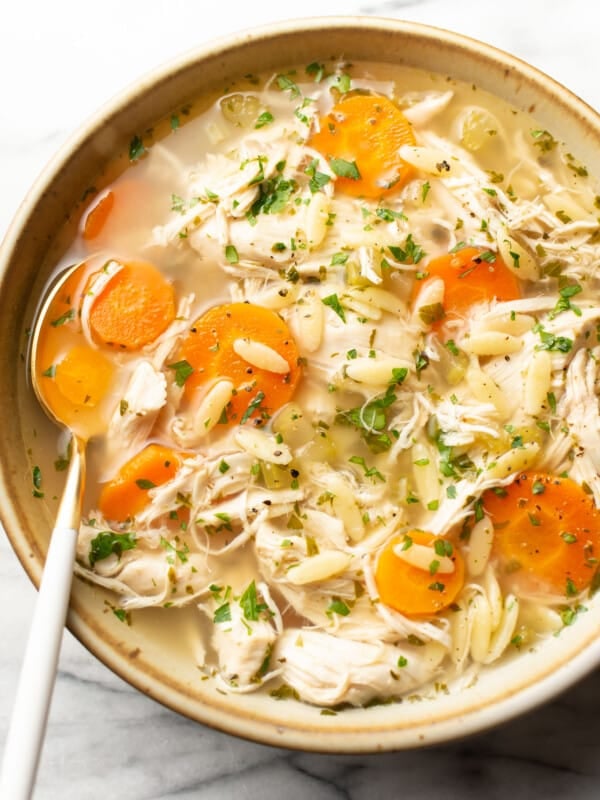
column 337, row 336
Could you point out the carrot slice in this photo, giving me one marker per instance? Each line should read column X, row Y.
column 127, row 494
column 97, row 216
column 471, row 276
column 546, row 532
column 120, row 210
column 73, row 377
column 414, row 591
column 366, row 131
column 135, row 307
column 209, row 351
column 83, row 376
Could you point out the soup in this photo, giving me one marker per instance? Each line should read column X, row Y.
column 336, row 337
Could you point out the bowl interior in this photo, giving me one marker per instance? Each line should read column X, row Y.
column 153, row 661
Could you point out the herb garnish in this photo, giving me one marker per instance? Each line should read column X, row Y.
column 264, row 119
column 36, row 477
column 136, row 148
column 288, row 85
column 107, row 542
column 333, row 301
column 411, row 253
column 64, row 318
column 253, row 405
column 249, row 604
column 183, row 370
column 345, row 169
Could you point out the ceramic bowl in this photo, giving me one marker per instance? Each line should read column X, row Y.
column 150, row 655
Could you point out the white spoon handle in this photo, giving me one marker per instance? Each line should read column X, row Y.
column 36, row 682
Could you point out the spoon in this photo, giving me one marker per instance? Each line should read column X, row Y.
column 36, row 681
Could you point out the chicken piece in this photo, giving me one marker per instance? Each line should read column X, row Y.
column 326, row 670
column 579, row 406
column 243, row 636
column 133, row 418
column 143, row 570
column 462, row 423
column 422, row 107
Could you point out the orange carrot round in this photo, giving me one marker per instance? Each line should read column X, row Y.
column 547, row 532
column 209, row 352
column 82, row 377
column 73, row 377
column 134, row 308
column 471, row 276
column 414, row 591
column 366, row 131
column 127, row 494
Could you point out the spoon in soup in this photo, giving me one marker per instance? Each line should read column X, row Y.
column 36, row 681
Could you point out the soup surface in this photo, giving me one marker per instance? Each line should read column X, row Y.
column 337, row 339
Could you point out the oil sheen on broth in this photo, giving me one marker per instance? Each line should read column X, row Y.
column 340, row 328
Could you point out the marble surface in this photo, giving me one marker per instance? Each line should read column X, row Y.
column 58, row 62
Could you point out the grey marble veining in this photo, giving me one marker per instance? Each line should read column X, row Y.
column 59, row 61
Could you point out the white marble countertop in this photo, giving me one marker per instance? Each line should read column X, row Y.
column 60, row 60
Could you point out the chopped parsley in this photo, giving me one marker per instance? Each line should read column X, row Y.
column 338, row 607
column 421, row 362
column 551, row 342
column 410, row 253
column 136, row 148
column 371, row 418
column 222, row 613
column 107, row 542
column 183, row 370
column 388, row 215
column 333, row 301
column 370, row 472
column 62, row 462
column 339, row 259
column 64, row 318
column 345, row 169
column 343, row 83
column 436, row 587
column 286, row 84
column 274, row 196
column 317, row 179
column 316, row 71
column 250, row 605
column 564, row 301
column 145, row 484
column 174, row 552
column 544, row 140
column 253, row 406
column 231, row 254
column 443, row 548
column 36, row 477
column 264, row 119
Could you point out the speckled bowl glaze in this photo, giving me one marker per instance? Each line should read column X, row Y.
column 153, row 663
